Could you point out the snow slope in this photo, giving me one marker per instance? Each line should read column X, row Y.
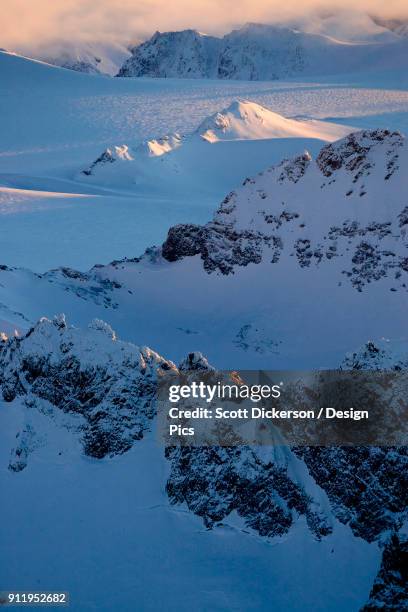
column 88, row 57
column 42, row 154
column 127, row 543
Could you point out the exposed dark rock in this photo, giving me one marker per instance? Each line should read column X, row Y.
column 389, row 592
column 110, row 384
column 215, row 481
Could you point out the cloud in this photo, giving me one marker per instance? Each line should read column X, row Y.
column 30, row 24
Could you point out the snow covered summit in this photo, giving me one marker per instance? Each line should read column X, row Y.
column 185, row 54
column 346, row 206
column 244, row 119
column 108, row 384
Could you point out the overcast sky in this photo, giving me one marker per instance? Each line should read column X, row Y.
column 31, row 23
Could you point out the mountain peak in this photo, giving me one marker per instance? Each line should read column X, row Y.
column 283, row 212
column 241, row 119
column 244, row 119
column 185, row 53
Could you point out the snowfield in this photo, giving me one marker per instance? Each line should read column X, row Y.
column 74, row 117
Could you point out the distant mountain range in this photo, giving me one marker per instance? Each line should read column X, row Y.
column 263, row 52
column 340, row 42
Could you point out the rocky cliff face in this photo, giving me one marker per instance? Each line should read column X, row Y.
column 367, row 486
column 214, row 482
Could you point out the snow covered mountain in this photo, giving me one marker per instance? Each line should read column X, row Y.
column 185, row 54
column 247, row 120
column 110, row 385
column 101, row 391
column 187, row 161
column 302, row 266
column 240, row 234
column 261, row 52
column 101, row 113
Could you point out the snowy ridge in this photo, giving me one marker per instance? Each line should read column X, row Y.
column 259, row 52
column 150, row 148
column 247, row 120
column 336, row 223
column 242, row 120
column 110, row 384
column 288, row 212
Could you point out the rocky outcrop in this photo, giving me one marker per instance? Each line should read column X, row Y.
column 215, row 481
column 220, row 247
column 110, row 384
column 367, row 486
column 107, row 157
